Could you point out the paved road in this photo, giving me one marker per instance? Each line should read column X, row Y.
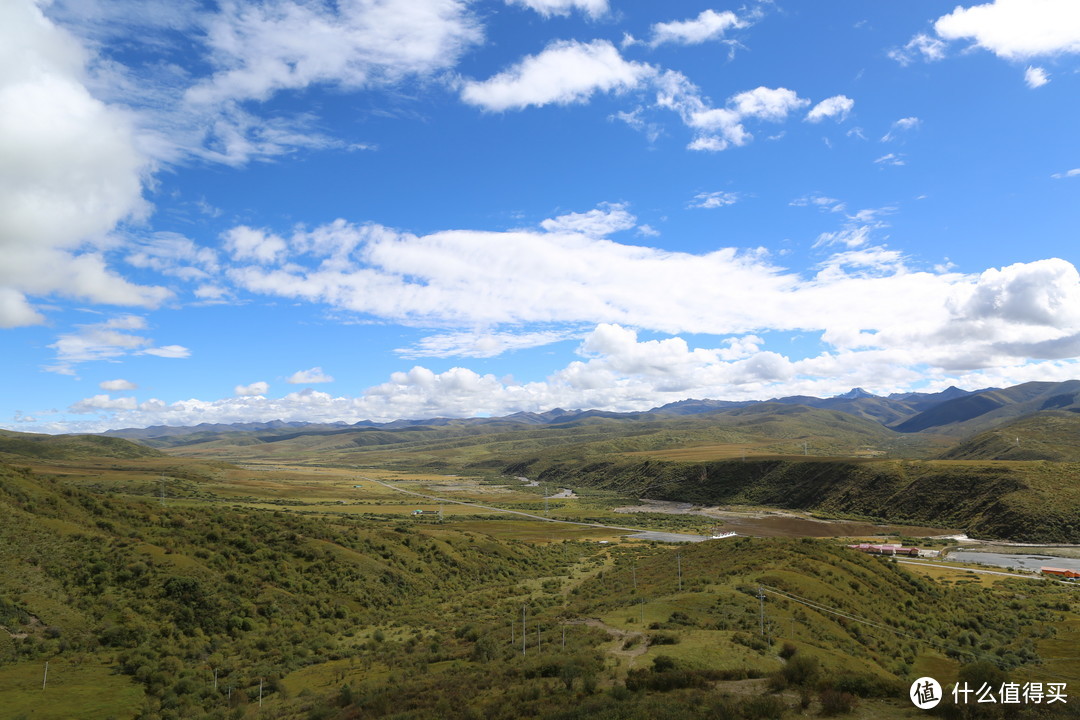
column 640, row 533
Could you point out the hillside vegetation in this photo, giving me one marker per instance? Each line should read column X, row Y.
column 1032, row 502
column 1048, row 435
column 70, row 447
column 167, row 612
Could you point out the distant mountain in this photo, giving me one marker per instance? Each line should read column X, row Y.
column 982, row 410
column 950, row 413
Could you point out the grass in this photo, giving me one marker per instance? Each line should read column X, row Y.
column 88, row 692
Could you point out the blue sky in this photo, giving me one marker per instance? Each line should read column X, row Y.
column 374, row 209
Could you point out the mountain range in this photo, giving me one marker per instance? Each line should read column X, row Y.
column 952, row 412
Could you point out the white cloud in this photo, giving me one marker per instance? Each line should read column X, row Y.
column 1035, row 77
column 821, row 202
column 173, row 254
column 1067, row 174
column 720, row 128
column 863, row 296
column 960, row 334
column 99, row 403
column 838, row 106
column 767, row 103
column 167, row 351
column 117, row 385
column 260, row 49
column 922, row 45
column 309, row 377
column 894, row 159
column 1016, row 29
column 547, row 8
column 244, row 243
column 608, row 218
column 255, row 388
column 849, row 237
column 708, row 25
column 710, row 200
column 481, row 344
column 70, row 171
column 901, row 126
column 98, row 341
column 564, row 72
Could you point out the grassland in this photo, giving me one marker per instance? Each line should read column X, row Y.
column 316, row 583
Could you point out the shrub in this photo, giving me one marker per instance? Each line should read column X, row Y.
column 837, row 702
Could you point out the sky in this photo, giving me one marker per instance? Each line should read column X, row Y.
column 346, row 210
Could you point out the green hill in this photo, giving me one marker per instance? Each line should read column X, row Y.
column 1048, row 435
column 70, row 447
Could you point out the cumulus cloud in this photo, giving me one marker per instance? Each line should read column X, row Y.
column 620, row 370
column 1011, row 29
column 117, row 385
column 1067, row 174
column 565, row 72
column 710, row 200
column 1035, row 77
column 309, row 377
column 837, row 106
column 602, row 221
column 1016, row 29
column 70, row 171
column 718, row 128
column 547, row 8
column 708, row 25
column 255, row 388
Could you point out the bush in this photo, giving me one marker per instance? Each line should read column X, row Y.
column 836, row 702
column 801, row 669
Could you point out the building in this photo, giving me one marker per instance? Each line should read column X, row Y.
column 886, row 549
column 1060, row 572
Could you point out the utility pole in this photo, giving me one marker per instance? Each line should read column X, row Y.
column 804, row 451
column 46, row 678
column 522, row 631
column 260, row 692
column 761, row 601
column 564, row 637
column 215, row 679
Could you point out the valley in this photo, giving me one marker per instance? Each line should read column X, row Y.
column 323, row 573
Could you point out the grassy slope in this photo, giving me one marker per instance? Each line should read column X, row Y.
column 418, row 619
column 70, row 447
column 1046, row 435
column 1036, row 502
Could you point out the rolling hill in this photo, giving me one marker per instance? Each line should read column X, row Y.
column 70, row 447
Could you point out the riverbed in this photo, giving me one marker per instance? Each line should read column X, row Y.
column 780, row 523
